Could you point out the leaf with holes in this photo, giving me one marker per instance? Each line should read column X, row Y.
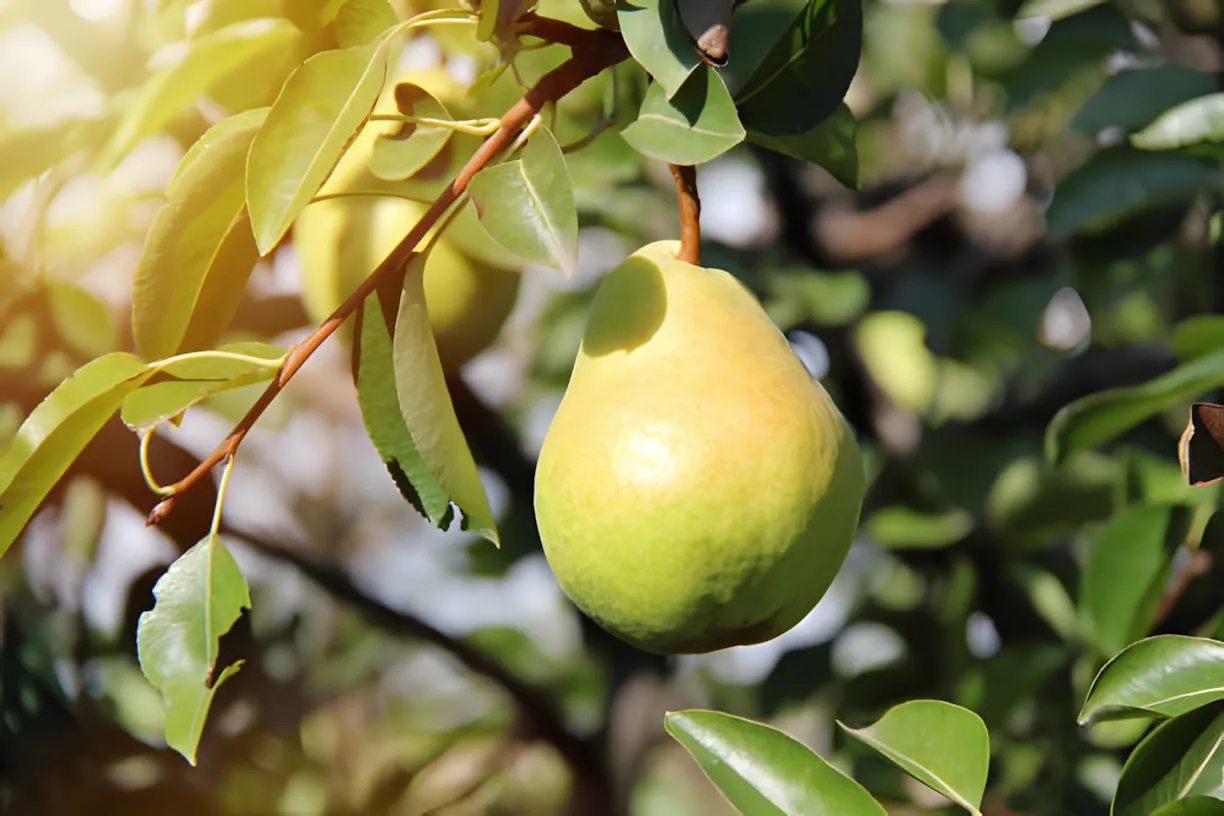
column 1180, row 758
column 404, row 150
column 1161, row 676
column 198, row 600
column 322, row 106
column 943, row 746
column 527, row 205
column 696, row 125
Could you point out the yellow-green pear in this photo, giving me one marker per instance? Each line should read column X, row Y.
column 697, row 488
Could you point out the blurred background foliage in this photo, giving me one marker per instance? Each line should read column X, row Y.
column 1007, row 252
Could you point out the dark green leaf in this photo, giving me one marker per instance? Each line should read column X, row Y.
column 527, row 205
column 1097, row 418
column 401, row 151
column 1132, row 99
column 1197, row 336
column 1161, row 676
column 55, row 433
column 198, row 600
column 1185, row 125
column 1192, row 806
column 659, row 41
column 759, row 26
column 762, row 771
column 830, row 144
column 814, row 61
column 30, row 151
column 942, row 745
column 696, row 125
column 200, row 251
column 324, row 102
column 1180, row 758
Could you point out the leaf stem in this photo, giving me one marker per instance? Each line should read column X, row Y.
column 221, row 488
column 144, row 463
column 261, row 362
column 474, row 127
column 690, row 213
column 593, row 51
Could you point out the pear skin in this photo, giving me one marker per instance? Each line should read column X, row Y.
column 697, row 488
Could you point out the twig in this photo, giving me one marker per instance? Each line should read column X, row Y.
column 593, row 51
column 1199, row 563
column 690, row 213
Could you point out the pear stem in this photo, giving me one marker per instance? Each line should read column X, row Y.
column 690, row 213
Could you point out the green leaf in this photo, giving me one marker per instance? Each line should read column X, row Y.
column 1054, row 9
column 904, row 528
column 198, row 600
column 814, row 61
column 1192, row 806
column 1097, row 418
column 56, row 431
column 527, row 205
column 1125, row 573
column 1161, row 676
column 401, row 152
column 1197, row 336
column 762, row 771
column 943, row 746
column 407, row 409
column 200, row 250
column 1185, row 125
column 658, row 40
column 82, row 321
column 207, row 61
column 1182, row 757
column 1120, row 182
column 831, row 144
column 696, row 125
column 359, row 22
column 1132, row 99
column 324, row 102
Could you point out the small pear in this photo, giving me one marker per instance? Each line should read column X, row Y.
column 697, row 488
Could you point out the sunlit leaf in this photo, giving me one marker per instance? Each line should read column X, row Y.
column 1132, row 99
column 527, row 205
column 1161, row 676
column 200, row 250
column 658, row 40
column 30, row 151
column 1185, row 125
column 359, row 22
column 401, row 153
column 763, row 771
column 321, row 107
column 942, row 745
column 696, row 125
column 198, row 600
column 1180, row 758
column 311, row 15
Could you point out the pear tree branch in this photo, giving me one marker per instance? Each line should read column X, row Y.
column 593, row 51
column 690, row 213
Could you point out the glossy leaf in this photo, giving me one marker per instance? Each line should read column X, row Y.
column 311, row 15
column 1100, row 417
column 407, row 410
column 903, row 528
column 359, row 22
column 815, row 60
column 200, row 251
column 56, row 431
column 1185, row 125
column 762, row 771
column 324, row 102
column 658, row 40
column 403, row 151
column 527, row 205
column 1182, row 757
column 1161, row 676
column 1132, row 99
column 698, row 124
column 758, row 28
column 207, row 61
column 831, row 144
column 942, row 745
column 198, row 600
column 1192, row 806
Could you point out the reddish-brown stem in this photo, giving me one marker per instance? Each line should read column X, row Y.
column 690, row 213
column 592, row 52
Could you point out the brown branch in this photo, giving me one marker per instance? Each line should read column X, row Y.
column 690, row 213
column 596, row 51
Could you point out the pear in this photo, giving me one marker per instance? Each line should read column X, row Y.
column 697, row 488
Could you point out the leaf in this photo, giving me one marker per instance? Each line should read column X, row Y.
column 527, row 205
column 1120, row 182
column 1125, row 573
column 903, row 528
column 1197, row 336
column 1133, row 99
column 1182, row 757
column 359, row 22
column 943, row 746
column 1185, row 125
column 207, row 61
column 763, row 771
column 1192, row 806
column 695, row 126
column 198, row 600
column 82, row 321
column 658, row 40
column 402, row 152
column 200, row 251
column 323, row 104
column 1161, row 676
column 758, row 28
column 407, row 409
column 56, row 431
column 1054, row 9
column 30, row 151
column 311, row 15
column 1098, row 418
column 831, row 144
column 814, row 61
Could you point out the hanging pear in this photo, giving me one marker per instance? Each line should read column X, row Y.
column 697, row 488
